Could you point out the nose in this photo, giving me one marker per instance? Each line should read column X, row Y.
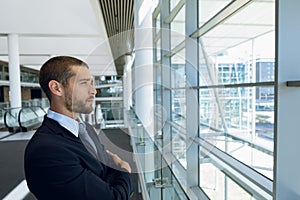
column 93, row 90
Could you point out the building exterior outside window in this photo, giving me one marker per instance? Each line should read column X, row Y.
column 226, row 63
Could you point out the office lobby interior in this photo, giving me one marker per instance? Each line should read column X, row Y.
column 201, row 97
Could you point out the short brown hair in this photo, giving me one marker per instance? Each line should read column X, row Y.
column 59, row 69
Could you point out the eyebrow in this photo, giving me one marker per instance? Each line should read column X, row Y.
column 86, row 79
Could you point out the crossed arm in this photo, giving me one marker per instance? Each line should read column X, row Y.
column 59, row 174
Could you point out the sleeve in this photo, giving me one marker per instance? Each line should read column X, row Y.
column 116, row 178
column 59, row 174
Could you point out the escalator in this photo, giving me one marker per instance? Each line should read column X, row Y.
column 23, row 119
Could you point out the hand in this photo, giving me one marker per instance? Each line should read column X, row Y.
column 119, row 162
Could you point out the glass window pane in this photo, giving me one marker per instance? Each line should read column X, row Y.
column 157, row 49
column 217, row 185
column 238, row 119
column 158, row 110
column 114, row 91
column 157, row 24
column 234, row 65
column 179, row 107
column 179, row 147
column 173, row 3
column 244, row 36
column 178, row 28
column 240, row 122
column 209, row 8
column 178, row 70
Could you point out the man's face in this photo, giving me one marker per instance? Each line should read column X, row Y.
column 80, row 92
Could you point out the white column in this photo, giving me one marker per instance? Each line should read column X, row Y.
column 287, row 137
column 14, row 71
column 192, row 106
column 143, row 66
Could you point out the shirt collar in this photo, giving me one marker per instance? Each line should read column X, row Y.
column 67, row 122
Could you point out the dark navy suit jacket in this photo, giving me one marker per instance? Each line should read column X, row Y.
column 58, row 166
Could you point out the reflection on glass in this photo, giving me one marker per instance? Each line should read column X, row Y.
column 236, row 116
column 235, row 119
column 157, row 24
column 179, row 117
column 159, row 182
column 2, row 112
column 243, row 38
column 173, row 3
column 208, row 8
column 158, row 94
column 172, row 189
column 158, row 74
column 217, row 185
column 11, row 117
column 179, row 107
column 179, row 147
column 102, row 80
column 157, row 50
column 178, row 78
column 114, row 91
column 112, row 112
column 160, row 114
column 178, row 28
column 158, row 109
column 31, row 116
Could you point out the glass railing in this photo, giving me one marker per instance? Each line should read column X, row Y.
column 219, row 174
column 109, row 116
column 4, row 105
column 44, row 103
column 107, row 80
column 31, row 117
column 2, row 113
column 11, row 119
column 156, row 178
column 111, row 91
column 24, row 118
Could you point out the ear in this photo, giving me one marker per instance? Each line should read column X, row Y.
column 55, row 87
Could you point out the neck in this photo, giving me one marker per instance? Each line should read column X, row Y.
column 62, row 110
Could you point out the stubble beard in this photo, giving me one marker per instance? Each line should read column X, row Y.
column 77, row 106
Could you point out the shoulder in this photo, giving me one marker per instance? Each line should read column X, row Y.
column 43, row 143
column 45, row 150
column 50, row 141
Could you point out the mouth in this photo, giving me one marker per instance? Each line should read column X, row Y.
column 90, row 99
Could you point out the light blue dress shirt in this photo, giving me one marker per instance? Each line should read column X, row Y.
column 67, row 122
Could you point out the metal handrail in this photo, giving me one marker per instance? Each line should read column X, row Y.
column 14, row 126
column 35, row 123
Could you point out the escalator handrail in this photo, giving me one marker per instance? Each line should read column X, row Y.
column 31, row 108
column 7, row 111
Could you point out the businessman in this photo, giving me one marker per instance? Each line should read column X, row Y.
column 65, row 159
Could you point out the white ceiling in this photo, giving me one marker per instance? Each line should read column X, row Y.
column 58, row 27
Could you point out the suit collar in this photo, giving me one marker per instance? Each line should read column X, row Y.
column 67, row 122
column 56, row 129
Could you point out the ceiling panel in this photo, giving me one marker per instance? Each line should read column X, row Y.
column 118, row 18
column 59, row 27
